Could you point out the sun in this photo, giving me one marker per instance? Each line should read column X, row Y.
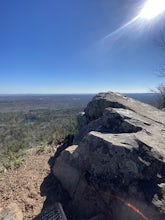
column 152, row 8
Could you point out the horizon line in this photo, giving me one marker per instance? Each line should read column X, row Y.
column 5, row 94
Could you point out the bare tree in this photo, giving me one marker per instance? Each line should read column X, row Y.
column 161, row 88
column 161, row 96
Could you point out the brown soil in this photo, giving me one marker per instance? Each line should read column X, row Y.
column 22, row 185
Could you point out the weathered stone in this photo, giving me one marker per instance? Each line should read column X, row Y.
column 118, row 169
column 72, row 175
column 81, row 120
column 11, row 212
column 116, row 100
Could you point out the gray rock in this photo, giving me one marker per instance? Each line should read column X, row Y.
column 118, row 168
column 100, row 102
column 81, row 120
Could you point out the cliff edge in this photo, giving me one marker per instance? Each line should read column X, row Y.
column 116, row 167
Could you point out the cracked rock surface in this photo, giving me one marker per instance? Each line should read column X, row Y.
column 116, row 167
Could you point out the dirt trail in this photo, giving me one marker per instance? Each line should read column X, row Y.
column 22, row 185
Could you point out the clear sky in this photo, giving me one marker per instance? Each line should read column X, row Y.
column 64, row 46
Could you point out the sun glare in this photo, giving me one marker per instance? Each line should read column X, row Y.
column 152, row 8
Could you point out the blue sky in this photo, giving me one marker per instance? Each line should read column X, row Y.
column 59, row 46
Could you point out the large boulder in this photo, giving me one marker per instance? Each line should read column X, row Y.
column 117, row 170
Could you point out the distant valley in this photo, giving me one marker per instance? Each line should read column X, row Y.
column 27, row 121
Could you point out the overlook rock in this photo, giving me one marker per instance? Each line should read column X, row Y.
column 116, row 168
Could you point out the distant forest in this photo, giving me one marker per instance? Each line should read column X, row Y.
column 37, row 120
column 30, row 121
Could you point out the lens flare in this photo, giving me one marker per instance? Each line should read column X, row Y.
column 152, row 8
column 121, row 28
column 129, row 205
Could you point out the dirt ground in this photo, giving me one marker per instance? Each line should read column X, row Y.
column 22, row 185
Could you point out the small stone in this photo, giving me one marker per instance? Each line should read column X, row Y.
column 32, row 195
column 11, row 212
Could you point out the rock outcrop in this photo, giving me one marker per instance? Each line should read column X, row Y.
column 116, row 167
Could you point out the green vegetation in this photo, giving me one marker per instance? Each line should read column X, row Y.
column 36, row 121
column 12, row 160
column 20, row 130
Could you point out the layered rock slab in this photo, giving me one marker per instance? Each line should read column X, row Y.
column 117, row 171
